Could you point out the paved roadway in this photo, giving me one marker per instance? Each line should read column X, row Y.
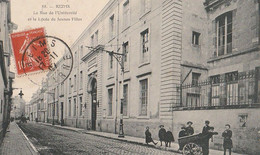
column 51, row 140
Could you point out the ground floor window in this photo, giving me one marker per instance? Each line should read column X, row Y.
column 69, row 107
column 80, row 106
column 75, row 107
column 143, row 97
column 193, row 100
column 110, row 101
column 125, row 103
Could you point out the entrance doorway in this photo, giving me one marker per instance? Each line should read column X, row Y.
column 93, row 103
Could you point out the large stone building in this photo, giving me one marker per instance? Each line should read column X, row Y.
column 6, row 77
column 183, row 61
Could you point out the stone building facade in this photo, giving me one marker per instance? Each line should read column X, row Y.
column 6, row 77
column 184, row 61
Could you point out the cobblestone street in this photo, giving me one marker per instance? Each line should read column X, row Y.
column 51, row 140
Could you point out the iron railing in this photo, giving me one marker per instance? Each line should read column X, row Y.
column 226, row 90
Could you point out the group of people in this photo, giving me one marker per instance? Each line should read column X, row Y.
column 164, row 136
column 207, row 133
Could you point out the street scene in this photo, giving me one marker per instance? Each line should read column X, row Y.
column 51, row 140
column 130, row 77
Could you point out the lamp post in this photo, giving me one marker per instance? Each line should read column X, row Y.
column 120, row 57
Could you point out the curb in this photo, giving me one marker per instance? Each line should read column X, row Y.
column 133, row 142
column 30, row 143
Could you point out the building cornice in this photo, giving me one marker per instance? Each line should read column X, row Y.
column 254, row 49
column 212, row 4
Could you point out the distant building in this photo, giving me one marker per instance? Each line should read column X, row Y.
column 18, row 107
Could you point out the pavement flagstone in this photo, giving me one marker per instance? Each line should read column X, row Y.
column 16, row 143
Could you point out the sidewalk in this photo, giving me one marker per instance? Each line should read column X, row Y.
column 16, row 143
column 141, row 141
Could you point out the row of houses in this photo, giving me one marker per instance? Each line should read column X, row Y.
column 6, row 76
column 182, row 61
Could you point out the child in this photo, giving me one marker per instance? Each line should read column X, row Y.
column 227, row 142
column 148, row 136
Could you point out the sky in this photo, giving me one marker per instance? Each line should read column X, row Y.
column 30, row 14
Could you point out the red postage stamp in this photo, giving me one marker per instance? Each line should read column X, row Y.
column 28, row 52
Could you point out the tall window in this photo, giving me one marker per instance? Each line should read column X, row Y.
column 49, row 108
column 75, row 107
column 143, row 97
column 111, row 61
column 111, row 26
column 125, row 104
column 125, row 52
column 195, row 78
column 75, row 57
column 81, row 51
column 80, row 106
column 232, row 88
column 215, row 93
column 96, row 38
column 53, row 110
column 57, row 109
column 195, row 38
column 145, row 46
column 224, row 33
column 110, row 101
column 70, row 86
column 92, row 40
column 145, row 6
column 69, row 107
column 75, row 83
column 126, row 14
column 81, row 80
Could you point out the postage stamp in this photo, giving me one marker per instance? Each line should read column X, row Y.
column 27, row 54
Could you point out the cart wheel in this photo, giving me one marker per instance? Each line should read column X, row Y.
column 192, row 149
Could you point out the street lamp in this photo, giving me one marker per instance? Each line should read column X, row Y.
column 21, row 92
column 120, row 57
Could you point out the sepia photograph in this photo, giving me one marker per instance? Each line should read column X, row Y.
column 123, row 77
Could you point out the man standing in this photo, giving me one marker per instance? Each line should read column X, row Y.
column 205, row 143
column 162, row 134
column 189, row 128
